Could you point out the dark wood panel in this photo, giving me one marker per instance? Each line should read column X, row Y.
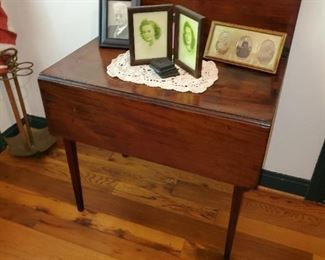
column 211, row 146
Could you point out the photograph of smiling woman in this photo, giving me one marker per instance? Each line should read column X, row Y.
column 188, row 37
column 150, row 30
column 150, row 35
column 188, row 40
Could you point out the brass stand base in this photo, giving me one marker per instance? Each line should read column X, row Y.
column 29, row 141
column 43, row 140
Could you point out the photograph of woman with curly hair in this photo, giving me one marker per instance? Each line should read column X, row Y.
column 188, row 37
column 187, row 40
column 150, row 31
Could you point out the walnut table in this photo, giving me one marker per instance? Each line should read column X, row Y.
column 221, row 134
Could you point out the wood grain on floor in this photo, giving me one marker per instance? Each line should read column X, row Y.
column 141, row 210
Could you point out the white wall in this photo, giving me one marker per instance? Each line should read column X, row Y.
column 47, row 31
column 299, row 129
column 50, row 29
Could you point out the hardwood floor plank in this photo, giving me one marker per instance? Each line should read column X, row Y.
column 163, row 173
column 151, row 211
column 58, row 169
column 249, row 247
column 101, row 222
column 41, row 220
column 281, row 235
column 268, row 210
column 156, row 189
column 316, row 257
column 288, row 202
column 112, row 245
column 202, row 195
column 245, row 248
column 19, row 242
column 99, row 201
column 192, row 251
column 165, row 202
column 109, row 175
column 203, row 233
column 129, row 170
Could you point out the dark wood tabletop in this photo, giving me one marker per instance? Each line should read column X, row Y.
column 239, row 93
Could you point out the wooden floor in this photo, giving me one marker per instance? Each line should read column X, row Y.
column 140, row 210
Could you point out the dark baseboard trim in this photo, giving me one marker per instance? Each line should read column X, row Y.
column 34, row 121
column 2, row 143
column 11, row 131
column 37, row 122
column 284, row 183
column 316, row 190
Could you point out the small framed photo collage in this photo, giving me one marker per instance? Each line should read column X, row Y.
column 176, row 33
column 245, row 46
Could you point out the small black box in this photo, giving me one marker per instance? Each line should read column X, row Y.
column 161, row 64
column 172, row 73
column 167, row 70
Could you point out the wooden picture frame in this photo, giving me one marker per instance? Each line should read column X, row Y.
column 245, row 46
column 189, row 43
column 150, row 33
column 113, row 24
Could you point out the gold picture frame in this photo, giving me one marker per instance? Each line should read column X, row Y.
column 250, row 47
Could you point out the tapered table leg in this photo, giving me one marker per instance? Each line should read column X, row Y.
column 234, row 213
column 72, row 158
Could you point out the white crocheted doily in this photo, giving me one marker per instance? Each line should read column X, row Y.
column 143, row 74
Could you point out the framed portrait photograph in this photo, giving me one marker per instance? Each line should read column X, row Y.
column 150, row 33
column 188, row 50
column 113, row 22
column 244, row 46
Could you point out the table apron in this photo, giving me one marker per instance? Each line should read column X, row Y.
column 205, row 144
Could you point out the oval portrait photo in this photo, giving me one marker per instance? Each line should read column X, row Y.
column 223, row 42
column 266, row 52
column 244, row 47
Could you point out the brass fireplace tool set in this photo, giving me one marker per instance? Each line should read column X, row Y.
column 30, row 140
